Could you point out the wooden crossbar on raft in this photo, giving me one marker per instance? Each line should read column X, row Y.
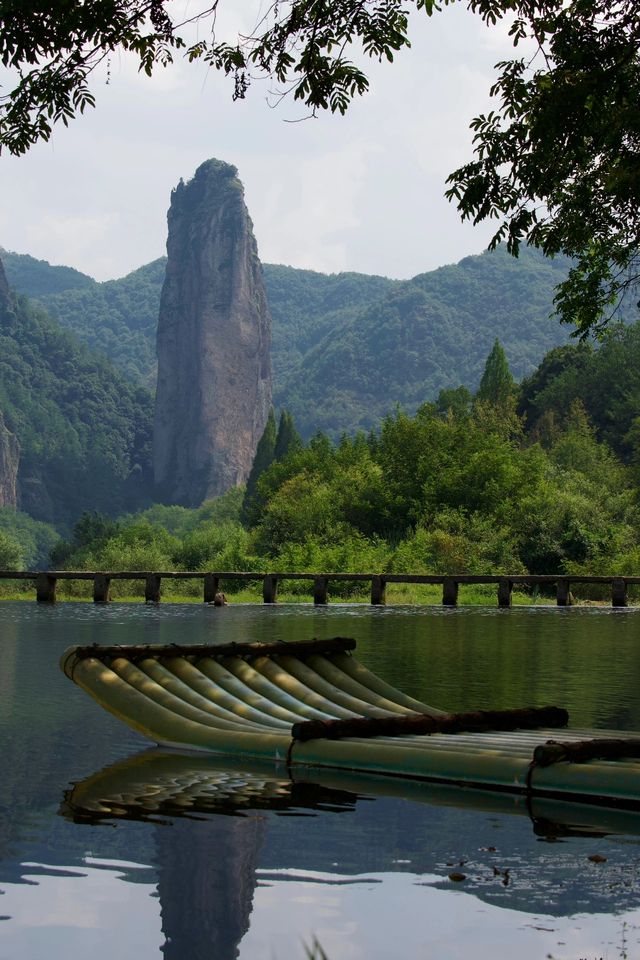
column 582, row 751
column 296, row 648
column 478, row 721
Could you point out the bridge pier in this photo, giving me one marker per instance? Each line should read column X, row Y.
column 618, row 593
column 450, row 592
column 152, row 588
column 101, row 588
column 378, row 591
column 270, row 589
column 564, row 597
column 46, row 588
column 211, row 587
column 505, row 588
column 320, row 591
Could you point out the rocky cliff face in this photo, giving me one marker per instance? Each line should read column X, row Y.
column 5, row 300
column 213, row 344
column 9, row 445
column 9, row 462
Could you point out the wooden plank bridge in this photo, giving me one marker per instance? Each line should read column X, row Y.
column 46, row 581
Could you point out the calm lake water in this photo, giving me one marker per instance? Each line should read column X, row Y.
column 229, row 862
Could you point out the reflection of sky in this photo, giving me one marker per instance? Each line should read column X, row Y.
column 92, row 913
column 88, row 913
column 404, row 916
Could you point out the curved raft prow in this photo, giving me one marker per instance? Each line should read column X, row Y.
column 313, row 704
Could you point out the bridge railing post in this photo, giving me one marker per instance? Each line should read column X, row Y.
column 211, row 587
column 101, row 588
column 450, row 592
column 320, row 591
column 378, row 591
column 270, row 589
column 618, row 592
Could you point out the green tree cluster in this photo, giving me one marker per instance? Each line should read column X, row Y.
column 273, row 446
column 606, row 382
column 34, row 540
column 465, row 485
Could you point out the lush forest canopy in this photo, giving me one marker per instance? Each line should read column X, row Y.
column 556, row 160
column 514, row 479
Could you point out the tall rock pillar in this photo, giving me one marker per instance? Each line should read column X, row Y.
column 213, row 345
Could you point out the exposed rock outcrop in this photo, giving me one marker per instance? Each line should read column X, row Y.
column 5, row 297
column 213, row 344
column 9, row 445
column 9, row 462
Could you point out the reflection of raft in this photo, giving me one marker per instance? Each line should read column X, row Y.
column 155, row 784
column 259, row 700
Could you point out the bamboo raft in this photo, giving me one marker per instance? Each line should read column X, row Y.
column 312, row 704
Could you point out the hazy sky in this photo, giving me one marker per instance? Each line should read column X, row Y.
column 361, row 192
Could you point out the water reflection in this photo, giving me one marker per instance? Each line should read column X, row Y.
column 221, row 829
column 206, row 882
column 364, row 868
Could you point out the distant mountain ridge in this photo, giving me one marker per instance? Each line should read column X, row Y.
column 346, row 347
column 429, row 333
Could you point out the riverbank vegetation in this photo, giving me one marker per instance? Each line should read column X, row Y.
column 537, row 478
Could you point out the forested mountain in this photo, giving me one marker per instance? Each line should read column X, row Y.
column 426, row 334
column 117, row 318
column 307, row 306
column 83, row 430
column 346, row 347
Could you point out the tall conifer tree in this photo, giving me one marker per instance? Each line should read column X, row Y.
column 497, row 385
column 265, row 455
column 288, row 438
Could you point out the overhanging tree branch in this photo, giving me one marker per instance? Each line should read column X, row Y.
column 557, row 161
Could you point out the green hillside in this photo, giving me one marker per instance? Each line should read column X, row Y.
column 117, row 318
column 305, row 306
column 37, row 278
column 346, row 347
column 84, row 430
column 429, row 333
